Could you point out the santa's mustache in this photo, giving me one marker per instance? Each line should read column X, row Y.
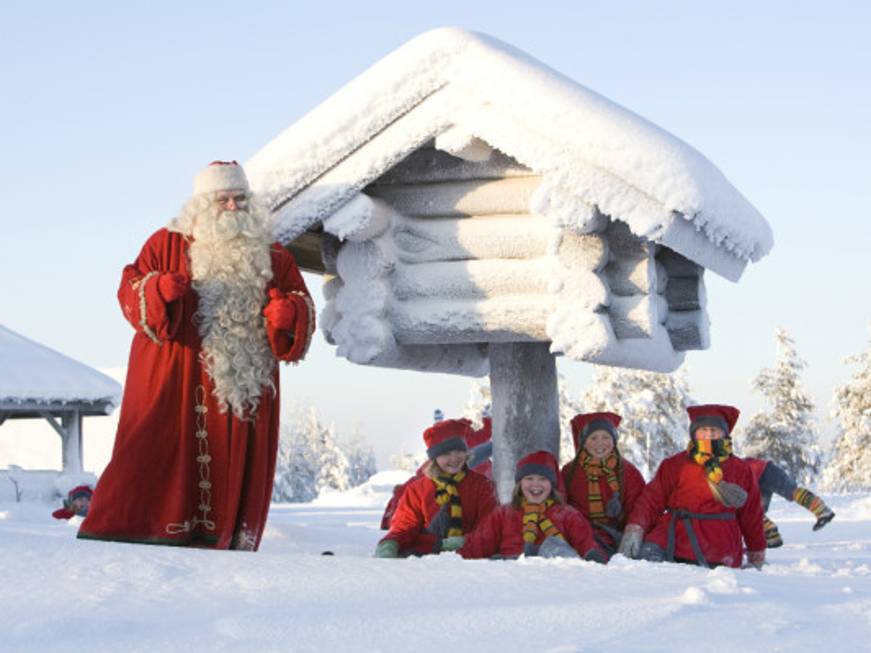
column 227, row 225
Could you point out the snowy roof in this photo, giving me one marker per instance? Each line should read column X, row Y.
column 34, row 373
column 457, row 86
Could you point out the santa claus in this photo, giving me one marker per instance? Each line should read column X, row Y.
column 215, row 304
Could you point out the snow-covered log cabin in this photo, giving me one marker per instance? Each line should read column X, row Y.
column 460, row 193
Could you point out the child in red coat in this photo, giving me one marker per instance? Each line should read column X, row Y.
column 599, row 482
column 448, row 500
column 701, row 503
column 536, row 522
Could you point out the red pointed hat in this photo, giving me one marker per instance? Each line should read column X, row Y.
column 80, row 491
column 585, row 423
column 542, row 463
column 713, row 415
column 447, row 435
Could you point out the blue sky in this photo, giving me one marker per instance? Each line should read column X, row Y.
column 110, row 108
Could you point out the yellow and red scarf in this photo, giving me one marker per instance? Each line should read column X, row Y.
column 448, row 493
column 595, row 469
column 534, row 521
column 709, row 454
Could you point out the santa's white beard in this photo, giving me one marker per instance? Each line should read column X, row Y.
column 230, row 267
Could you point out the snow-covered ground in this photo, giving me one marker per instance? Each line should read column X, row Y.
column 63, row 594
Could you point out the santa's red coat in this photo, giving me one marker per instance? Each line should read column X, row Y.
column 577, row 493
column 170, row 479
column 418, row 506
column 681, row 483
column 501, row 532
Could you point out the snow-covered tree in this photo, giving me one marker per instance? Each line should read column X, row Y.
column 309, row 459
column 787, row 433
column 653, row 407
column 406, row 462
column 296, row 470
column 361, row 460
column 850, row 465
column 331, row 461
column 479, row 399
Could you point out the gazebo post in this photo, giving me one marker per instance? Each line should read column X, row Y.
column 72, row 441
column 525, row 397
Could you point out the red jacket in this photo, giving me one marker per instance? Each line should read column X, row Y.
column 502, row 532
column 757, row 466
column 680, row 483
column 631, row 485
column 418, row 506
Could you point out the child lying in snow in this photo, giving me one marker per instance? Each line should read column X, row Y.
column 442, row 504
column 76, row 504
column 537, row 522
column 773, row 479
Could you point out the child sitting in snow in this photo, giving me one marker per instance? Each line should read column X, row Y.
column 536, row 522
column 773, row 479
column 599, row 482
column 445, row 502
column 701, row 503
column 76, row 504
column 480, row 451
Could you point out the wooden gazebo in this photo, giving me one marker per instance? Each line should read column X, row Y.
column 38, row 382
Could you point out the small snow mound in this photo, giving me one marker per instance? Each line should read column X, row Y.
column 806, row 566
column 375, row 492
column 859, row 510
column 723, row 582
column 694, row 596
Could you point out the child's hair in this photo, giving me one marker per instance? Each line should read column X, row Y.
column 517, row 495
column 433, row 469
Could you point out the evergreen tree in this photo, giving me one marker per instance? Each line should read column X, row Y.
column 479, row 398
column 787, row 434
column 850, row 466
column 331, row 461
column 296, row 471
column 361, row 460
column 406, row 462
column 653, row 407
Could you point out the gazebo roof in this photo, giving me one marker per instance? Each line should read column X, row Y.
column 34, row 375
column 454, row 86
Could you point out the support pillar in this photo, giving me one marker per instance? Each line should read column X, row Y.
column 525, row 398
column 72, row 441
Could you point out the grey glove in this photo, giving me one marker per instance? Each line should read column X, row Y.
column 556, row 547
column 630, row 543
column 438, row 525
column 530, row 549
column 453, row 543
column 614, row 507
column 480, row 454
column 387, row 549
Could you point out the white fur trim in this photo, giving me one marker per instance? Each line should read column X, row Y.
column 220, row 176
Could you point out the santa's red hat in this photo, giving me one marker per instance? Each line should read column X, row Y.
column 723, row 417
column 220, row 175
column 447, row 435
column 542, row 463
column 585, row 423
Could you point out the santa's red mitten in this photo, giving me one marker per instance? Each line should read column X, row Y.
column 280, row 311
column 171, row 286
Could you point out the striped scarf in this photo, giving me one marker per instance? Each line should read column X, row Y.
column 594, row 469
column 709, row 454
column 447, row 493
column 534, row 521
